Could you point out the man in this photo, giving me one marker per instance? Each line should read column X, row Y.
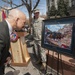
column 37, row 29
column 15, row 20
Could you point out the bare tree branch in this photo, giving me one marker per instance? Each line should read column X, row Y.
column 31, row 4
column 26, row 4
column 12, row 7
column 9, row 2
column 36, row 5
column 16, row 6
column 3, row 7
column 26, row 1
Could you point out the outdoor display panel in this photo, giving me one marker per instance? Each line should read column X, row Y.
column 59, row 35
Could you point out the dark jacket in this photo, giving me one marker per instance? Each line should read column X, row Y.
column 4, row 42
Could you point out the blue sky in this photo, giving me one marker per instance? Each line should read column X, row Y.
column 55, row 27
column 41, row 6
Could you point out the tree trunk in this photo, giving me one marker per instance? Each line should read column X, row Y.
column 30, row 20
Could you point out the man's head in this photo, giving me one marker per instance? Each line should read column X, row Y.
column 36, row 13
column 16, row 18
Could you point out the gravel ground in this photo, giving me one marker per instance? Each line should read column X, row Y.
column 31, row 69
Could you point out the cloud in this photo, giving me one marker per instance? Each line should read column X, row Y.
column 55, row 27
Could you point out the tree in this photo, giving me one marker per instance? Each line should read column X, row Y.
column 27, row 3
column 63, row 8
column 52, row 11
column 66, row 5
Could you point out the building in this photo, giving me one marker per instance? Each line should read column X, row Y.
column 55, row 3
column 72, row 9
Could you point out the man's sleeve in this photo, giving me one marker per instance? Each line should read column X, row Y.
column 1, row 45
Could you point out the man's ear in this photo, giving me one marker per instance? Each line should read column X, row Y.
column 17, row 19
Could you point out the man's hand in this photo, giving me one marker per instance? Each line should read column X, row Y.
column 8, row 60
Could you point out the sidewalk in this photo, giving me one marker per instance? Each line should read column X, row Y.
column 32, row 68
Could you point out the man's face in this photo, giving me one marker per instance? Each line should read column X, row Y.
column 36, row 15
column 21, row 22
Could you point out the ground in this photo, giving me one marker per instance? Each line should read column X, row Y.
column 31, row 69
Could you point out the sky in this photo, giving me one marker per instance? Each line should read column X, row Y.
column 55, row 27
column 41, row 6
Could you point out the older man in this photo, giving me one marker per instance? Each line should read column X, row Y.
column 15, row 20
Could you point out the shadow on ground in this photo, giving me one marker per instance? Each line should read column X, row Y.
column 33, row 60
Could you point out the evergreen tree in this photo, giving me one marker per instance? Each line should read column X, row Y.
column 66, row 5
column 63, row 8
column 52, row 11
column 62, row 11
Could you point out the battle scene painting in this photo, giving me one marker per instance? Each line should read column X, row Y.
column 59, row 35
